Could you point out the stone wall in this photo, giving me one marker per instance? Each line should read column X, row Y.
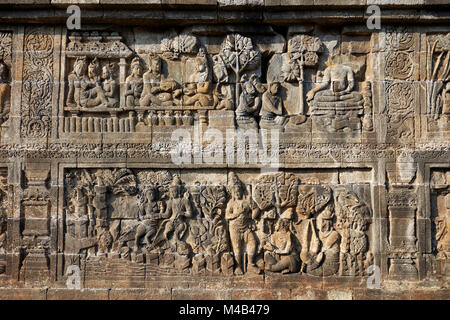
column 225, row 150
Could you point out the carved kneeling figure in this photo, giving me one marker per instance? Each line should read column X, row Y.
column 281, row 255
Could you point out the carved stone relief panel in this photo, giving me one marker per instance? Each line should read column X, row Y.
column 98, row 187
column 111, row 88
column 215, row 223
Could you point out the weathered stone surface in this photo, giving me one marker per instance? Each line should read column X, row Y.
column 224, row 150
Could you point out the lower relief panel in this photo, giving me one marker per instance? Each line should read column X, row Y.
column 132, row 224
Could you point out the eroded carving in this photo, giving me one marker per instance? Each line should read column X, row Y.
column 335, row 104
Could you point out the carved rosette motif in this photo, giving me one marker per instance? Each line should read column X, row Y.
column 399, row 62
column 37, row 88
column 399, row 65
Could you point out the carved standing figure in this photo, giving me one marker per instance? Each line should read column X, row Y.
column 330, row 240
column 239, row 214
column 134, row 85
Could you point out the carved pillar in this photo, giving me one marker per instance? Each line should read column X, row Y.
column 122, row 79
column 35, row 224
column 402, row 208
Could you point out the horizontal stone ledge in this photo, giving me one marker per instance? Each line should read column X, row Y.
column 130, row 15
column 227, row 4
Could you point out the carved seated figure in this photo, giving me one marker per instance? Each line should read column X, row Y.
column 334, row 101
column 223, row 97
column 78, row 81
column 157, row 91
column 173, row 229
column 326, row 261
column 281, row 255
column 110, row 86
column 198, row 91
column 248, row 106
column 134, row 84
column 149, row 216
column 92, row 92
column 5, row 92
column 272, row 108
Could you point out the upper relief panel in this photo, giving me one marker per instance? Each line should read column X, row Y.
column 314, row 85
column 308, row 85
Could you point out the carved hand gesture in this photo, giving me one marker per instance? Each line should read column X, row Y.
column 310, row 95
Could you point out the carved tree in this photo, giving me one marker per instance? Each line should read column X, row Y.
column 238, row 54
column 302, row 52
column 183, row 43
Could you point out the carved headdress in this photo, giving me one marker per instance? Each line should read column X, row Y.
column 152, row 57
column 176, row 184
column 135, row 61
column 80, row 62
column 95, row 66
column 233, row 181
